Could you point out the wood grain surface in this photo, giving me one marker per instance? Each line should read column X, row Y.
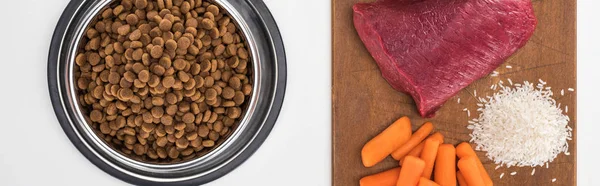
column 364, row 104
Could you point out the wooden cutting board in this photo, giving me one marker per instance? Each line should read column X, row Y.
column 364, row 104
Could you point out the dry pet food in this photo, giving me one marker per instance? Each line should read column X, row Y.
column 163, row 80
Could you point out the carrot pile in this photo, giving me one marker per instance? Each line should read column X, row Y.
column 422, row 157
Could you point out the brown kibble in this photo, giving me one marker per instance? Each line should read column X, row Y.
column 233, row 62
column 158, row 70
column 156, row 52
column 132, row 19
column 234, row 112
column 183, row 43
column 152, row 154
column 157, row 101
column 168, row 81
column 228, row 93
column 213, row 9
column 126, row 94
column 129, row 131
column 219, row 49
column 203, row 131
column 161, row 141
column 209, row 81
column 96, row 116
column 80, row 59
column 214, row 33
column 239, row 97
column 161, row 152
column 182, row 143
column 179, row 64
column 179, row 126
column 179, row 133
column 188, row 118
column 130, row 139
column 148, row 127
column 154, row 81
column 232, row 49
column 224, row 131
column 124, row 30
column 184, row 77
column 137, row 54
column 196, row 142
column 227, row 38
column 171, row 45
column 207, row 23
column 228, row 121
column 173, row 153
column 157, row 112
column 114, row 78
column 144, row 76
column 141, row 4
column 235, row 83
column 139, row 149
column 166, row 120
column 218, row 126
column 208, row 143
column 171, row 109
column 211, row 94
column 242, row 53
column 191, row 136
column 165, row 25
column 171, row 98
column 247, row 89
column 158, row 41
column 213, row 135
column 93, row 58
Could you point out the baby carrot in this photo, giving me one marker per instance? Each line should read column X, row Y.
column 468, row 166
column 386, row 142
column 428, row 155
column 445, row 165
column 461, row 179
column 411, row 171
column 427, row 182
column 414, row 140
column 416, row 152
column 464, row 150
column 385, row 178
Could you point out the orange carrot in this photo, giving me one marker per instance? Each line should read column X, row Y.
column 428, row 155
column 411, row 171
column 414, row 140
column 427, row 182
column 416, row 152
column 386, row 142
column 461, row 179
column 385, row 178
column 464, row 150
column 468, row 166
column 445, row 165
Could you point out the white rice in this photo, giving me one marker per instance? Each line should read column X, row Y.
column 520, row 126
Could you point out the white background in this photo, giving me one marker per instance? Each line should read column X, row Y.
column 35, row 151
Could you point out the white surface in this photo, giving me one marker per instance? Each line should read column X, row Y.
column 35, row 150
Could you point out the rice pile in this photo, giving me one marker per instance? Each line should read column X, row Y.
column 521, row 125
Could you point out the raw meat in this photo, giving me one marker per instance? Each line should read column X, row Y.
column 431, row 49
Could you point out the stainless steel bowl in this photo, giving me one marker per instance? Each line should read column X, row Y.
column 269, row 77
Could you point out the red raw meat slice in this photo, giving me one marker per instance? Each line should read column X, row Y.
column 431, row 49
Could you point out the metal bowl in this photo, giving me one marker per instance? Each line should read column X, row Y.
column 269, row 76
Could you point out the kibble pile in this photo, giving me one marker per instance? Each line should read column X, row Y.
column 163, row 80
